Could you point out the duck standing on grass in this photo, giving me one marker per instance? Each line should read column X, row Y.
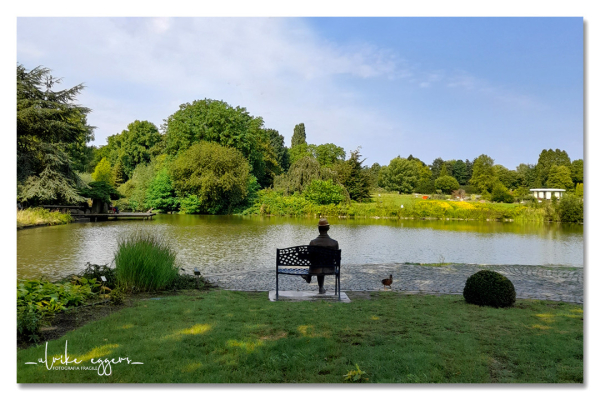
column 387, row 282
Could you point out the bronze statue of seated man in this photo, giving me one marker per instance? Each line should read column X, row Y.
column 323, row 240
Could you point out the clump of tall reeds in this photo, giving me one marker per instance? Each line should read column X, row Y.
column 41, row 216
column 144, row 262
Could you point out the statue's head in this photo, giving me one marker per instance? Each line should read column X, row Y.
column 323, row 225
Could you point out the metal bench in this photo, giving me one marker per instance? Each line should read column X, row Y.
column 298, row 260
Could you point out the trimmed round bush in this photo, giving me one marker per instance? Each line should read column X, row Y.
column 489, row 288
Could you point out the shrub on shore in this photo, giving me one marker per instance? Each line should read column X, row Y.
column 489, row 288
column 144, row 262
column 570, row 209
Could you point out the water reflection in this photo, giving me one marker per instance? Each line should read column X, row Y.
column 217, row 244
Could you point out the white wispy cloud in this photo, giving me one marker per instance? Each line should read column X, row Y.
column 279, row 68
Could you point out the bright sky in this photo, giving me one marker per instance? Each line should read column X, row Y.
column 431, row 87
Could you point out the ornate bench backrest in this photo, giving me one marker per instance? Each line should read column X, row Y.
column 308, row 256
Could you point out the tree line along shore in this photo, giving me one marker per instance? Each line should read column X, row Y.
column 209, row 157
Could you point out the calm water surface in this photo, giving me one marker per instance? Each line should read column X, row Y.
column 216, row 244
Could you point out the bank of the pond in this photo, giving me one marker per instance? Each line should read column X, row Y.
column 35, row 217
column 396, row 206
column 386, row 205
column 531, row 282
column 241, row 337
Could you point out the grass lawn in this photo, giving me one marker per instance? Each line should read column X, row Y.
column 241, row 337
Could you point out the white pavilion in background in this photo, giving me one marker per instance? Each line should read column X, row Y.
column 546, row 194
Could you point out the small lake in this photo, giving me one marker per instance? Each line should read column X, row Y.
column 216, row 244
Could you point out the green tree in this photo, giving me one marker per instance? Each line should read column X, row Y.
column 443, row 171
column 132, row 146
column 118, row 174
column 81, row 155
column 559, row 177
column 509, row 178
column 160, row 194
column 282, row 153
column 579, row 190
column 526, row 175
column 327, row 154
column 216, row 121
column 459, row 171
column 102, row 191
column 57, row 183
column 355, row 178
column 426, row 183
column 577, row 171
column 449, row 164
column 136, row 188
column 299, row 152
column 469, row 166
column 484, row 176
column 299, row 136
column 546, row 160
column 436, row 168
column 401, row 175
column 216, row 174
column 103, row 172
column 50, row 126
column 300, row 175
column 447, row 184
column 374, row 171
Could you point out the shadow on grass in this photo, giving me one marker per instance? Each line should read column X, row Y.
column 225, row 336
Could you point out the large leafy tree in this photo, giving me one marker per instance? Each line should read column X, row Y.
column 327, row 154
column 374, row 171
column 509, row 178
column 436, row 167
column 484, row 176
column 133, row 145
column 526, row 175
column 559, row 177
column 216, row 121
column 299, row 152
column 300, row 175
column 401, row 175
column 546, row 160
column 459, row 171
column 282, row 153
column 50, row 125
column 215, row 176
column 425, row 184
column 577, row 171
column 469, row 166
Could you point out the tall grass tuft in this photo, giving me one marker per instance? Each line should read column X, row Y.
column 41, row 216
column 144, row 262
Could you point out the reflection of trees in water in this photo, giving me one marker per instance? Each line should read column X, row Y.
column 218, row 244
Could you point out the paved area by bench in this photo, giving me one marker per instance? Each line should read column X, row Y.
column 531, row 282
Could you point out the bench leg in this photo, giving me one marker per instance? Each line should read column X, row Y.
column 276, row 286
column 336, row 284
